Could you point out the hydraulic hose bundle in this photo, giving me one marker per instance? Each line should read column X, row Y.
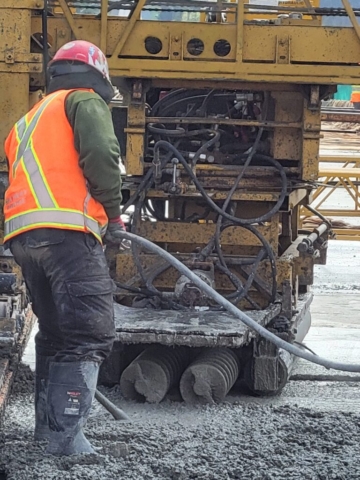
column 165, row 142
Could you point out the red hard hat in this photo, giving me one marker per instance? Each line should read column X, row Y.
column 85, row 52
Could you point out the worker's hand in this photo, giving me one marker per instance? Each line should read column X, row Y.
column 113, row 234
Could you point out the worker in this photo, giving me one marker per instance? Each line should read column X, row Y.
column 62, row 200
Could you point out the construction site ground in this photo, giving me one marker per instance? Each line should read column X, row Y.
column 310, row 431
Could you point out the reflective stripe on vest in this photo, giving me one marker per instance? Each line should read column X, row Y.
column 24, row 132
column 37, row 182
column 51, row 218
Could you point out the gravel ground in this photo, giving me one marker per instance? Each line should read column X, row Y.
column 174, row 442
column 245, row 438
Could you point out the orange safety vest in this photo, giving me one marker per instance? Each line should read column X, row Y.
column 47, row 187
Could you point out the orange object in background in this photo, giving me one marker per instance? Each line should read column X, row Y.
column 355, row 96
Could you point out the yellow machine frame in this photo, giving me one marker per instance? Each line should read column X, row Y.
column 296, row 60
column 288, row 63
column 291, row 52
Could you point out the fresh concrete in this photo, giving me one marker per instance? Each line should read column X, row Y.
column 310, row 432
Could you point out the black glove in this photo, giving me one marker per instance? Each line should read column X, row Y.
column 113, row 234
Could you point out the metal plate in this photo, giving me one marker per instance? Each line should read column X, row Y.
column 196, row 329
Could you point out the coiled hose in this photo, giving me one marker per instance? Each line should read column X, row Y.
column 236, row 220
column 233, row 310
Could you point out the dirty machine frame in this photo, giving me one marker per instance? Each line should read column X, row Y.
column 218, row 119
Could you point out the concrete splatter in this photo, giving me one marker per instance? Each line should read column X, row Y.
column 172, row 441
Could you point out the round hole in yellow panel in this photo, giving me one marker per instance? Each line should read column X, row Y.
column 195, row 46
column 153, row 45
column 222, row 48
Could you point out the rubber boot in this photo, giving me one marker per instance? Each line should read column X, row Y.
column 71, row 391
column 42, row 366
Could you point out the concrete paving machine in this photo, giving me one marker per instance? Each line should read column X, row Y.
column 218, row 119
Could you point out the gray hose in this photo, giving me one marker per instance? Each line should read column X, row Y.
column 234, row 310
column 115, row 411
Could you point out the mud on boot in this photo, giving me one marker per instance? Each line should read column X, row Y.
column 71, row 391
column 42, row 367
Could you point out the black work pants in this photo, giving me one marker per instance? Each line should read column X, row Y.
column 71, row 293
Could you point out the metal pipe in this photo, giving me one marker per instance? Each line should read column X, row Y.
column 44, row 18
column 116, row 412
column 287, row 359
column 223, row 121
column 307, row 244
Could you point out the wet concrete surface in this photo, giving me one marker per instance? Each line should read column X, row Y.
column 231, row 441
column 310, row 431
column 341, row 275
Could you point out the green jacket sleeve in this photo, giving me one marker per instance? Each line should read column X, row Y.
column 98, row 148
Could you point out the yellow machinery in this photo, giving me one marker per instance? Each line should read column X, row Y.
column 219, row 125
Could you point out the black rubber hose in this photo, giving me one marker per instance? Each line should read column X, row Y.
column 318, row 214
column 210, row 292
column 168, row 98
column 268, row 250
column 135, row 251
column 247, row 163
column 240, row 293
column 231, row 218
column 136, row 290
column 135, row 247
column 145, row 184
column 235, row 280
column 179, row 132
column 206, row 146
column 202, row 109
column 140, row 188
column 172, row 108
column 172, row 96
column 231, row 193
